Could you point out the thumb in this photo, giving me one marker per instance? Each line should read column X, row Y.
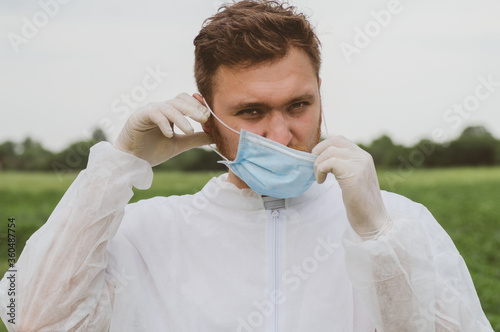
column 187, row 142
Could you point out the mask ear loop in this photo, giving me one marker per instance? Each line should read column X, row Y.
column 324, row 122
column 225, row 125
column 220, row 154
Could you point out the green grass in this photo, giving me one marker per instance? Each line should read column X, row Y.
column 464, row 201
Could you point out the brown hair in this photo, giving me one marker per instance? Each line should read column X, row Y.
column 250, row 32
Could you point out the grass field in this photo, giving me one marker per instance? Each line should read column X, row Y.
column 464, row 201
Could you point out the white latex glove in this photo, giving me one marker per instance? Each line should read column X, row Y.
column 355, row 172
column 148, row 132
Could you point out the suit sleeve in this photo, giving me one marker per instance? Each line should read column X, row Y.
column 413, row 278
column 61, row 280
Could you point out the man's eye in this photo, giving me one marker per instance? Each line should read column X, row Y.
column 249, row 112
column 297, row 106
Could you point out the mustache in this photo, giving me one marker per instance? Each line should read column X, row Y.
column 299, row 148
column 306, row 148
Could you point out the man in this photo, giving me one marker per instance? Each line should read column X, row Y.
column 336, row 255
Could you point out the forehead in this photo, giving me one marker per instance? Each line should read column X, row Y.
column 291, row 75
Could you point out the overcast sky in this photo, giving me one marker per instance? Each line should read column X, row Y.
column 393, row 67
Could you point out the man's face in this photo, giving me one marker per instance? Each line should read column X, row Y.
column 279, row 100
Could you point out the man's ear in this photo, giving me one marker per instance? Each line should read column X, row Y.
column 198, row 97
column 207, row 126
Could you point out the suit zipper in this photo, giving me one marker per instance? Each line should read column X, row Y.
column 276, row 269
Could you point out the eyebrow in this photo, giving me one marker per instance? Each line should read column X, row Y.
column 247, row 105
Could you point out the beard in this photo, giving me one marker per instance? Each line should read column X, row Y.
column 317, row 139
column 223, row 143
column 220, row 142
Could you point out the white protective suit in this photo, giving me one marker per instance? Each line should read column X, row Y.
column 226, row 259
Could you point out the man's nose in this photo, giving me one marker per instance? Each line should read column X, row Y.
column 278, row 129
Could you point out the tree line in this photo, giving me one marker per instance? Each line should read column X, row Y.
column 476, row 146
column 30, row 155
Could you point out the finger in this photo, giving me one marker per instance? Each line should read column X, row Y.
column 333, row 151
column 338, row 141
column 177, row 118
column 162, row 122
column 320, row 176
column 191, row 107
column 329, row 153
column 338, row 167
column 192, row 101
column 186, row 142
column 189, row 110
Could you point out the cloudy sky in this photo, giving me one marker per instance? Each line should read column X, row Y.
column 409, row 69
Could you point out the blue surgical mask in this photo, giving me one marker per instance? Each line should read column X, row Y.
column 270, row 168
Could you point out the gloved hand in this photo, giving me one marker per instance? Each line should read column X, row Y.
column 148, row 132
column 355, row 172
